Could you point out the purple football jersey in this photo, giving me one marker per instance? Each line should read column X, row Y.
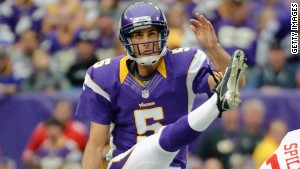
column 112, row 95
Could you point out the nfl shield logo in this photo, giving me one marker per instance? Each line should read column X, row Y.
column 145, row 94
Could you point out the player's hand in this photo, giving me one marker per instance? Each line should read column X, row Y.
column 204, row 31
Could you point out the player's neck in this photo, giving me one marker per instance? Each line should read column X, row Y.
column 147, row 70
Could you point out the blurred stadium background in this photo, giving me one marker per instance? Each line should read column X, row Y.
column 47, row 45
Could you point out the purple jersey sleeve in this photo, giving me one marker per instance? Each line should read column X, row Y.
column 94, row 104
column 200, row 83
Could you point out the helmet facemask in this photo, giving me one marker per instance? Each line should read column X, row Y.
column 149, row 57
column 143, row 15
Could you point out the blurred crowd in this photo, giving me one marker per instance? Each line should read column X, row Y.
column 243, row 139
column 47, row 46
column 57, row 142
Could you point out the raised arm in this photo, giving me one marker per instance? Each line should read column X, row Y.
column 92, row 156
column 205, row 34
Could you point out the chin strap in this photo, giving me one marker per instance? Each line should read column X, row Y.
column 148, row 60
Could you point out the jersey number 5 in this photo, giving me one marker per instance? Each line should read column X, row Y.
column 102, row 62
column 141, row 117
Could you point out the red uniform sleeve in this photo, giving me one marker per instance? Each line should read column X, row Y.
column 78, row 132
column 37, row 138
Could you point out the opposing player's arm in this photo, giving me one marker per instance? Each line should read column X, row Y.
column 92, row 156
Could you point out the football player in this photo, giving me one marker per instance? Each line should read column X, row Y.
column 158, row 150
column 135, row 95
column 287, row 154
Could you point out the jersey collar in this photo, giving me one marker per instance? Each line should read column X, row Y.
column 124, row 70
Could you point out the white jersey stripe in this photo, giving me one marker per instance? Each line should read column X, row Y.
column 91, row 84
column 196, row 64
